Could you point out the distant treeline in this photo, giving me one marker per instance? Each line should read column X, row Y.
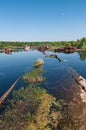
column 81, row 43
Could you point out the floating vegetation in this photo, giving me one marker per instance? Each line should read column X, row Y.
column 38, row 63
column 35, row 76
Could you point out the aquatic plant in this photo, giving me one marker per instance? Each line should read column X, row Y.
column 47, row 115
column 38, row 63
column 35, row 76
column 36, row 110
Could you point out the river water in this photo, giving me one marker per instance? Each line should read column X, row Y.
column 59, row 80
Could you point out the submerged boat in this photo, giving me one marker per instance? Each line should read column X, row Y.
column 79, row 79
column 26, row 48
column 82, row 82
column 69, row 49
column 7, row 50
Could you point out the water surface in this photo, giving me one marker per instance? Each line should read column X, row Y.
column 59, row 80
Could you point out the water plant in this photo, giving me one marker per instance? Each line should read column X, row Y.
column 35, row 76
column 33, row 109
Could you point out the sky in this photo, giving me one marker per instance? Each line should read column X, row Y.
column 42, row 20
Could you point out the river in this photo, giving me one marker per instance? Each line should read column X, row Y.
column 59, row 80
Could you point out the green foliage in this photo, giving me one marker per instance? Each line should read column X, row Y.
column 35, row 76
column 52, row 45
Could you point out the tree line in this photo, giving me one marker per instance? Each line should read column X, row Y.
column 80, row 43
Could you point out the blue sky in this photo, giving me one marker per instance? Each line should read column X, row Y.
column 42, row 20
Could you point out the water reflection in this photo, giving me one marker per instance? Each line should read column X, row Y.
column 82, row 56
